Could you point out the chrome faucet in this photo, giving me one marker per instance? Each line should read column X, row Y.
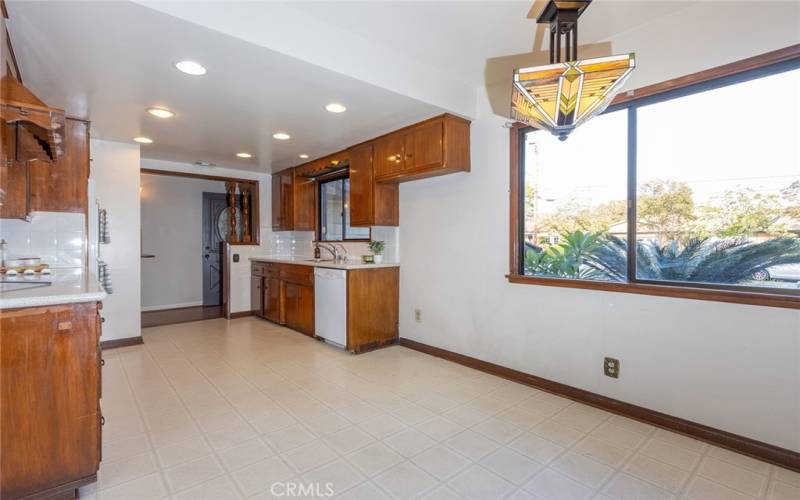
column 343, row 252
column 330, row 248
column 337, row 250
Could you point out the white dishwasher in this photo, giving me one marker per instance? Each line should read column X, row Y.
column 330, row 305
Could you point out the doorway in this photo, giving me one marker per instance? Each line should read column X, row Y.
column 186, row 234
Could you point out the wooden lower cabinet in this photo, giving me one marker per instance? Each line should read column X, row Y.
column 272, row 299
column 298, row 307
column 373, row 301
column 256, row 296
column 50, row 417
column 373, row 308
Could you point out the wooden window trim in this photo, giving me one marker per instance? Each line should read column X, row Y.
column 255, row 203
column 717, row 293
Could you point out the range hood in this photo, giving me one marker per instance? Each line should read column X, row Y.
column 35, row 129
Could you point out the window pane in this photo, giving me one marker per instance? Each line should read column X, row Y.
column 575, row 201
column 352, row 233
column 719, row 186
column 331, row 201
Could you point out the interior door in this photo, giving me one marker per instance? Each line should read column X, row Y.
column 214, row 204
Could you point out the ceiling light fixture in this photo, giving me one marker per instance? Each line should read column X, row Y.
column 161, row 112
column 563, row 95
column 143, row 140
column 303, row 156
column 244, row 155
column 191, row 68
column 335, row 107
column 281, row 136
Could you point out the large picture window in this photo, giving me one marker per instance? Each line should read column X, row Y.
column 705, row 179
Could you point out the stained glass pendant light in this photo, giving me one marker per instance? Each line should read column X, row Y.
column 563, row 95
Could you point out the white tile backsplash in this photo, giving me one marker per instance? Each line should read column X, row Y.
column 58, row 238
column 301, row 243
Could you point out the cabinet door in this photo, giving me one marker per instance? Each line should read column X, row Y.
column 388, row 158
column 361, row 186
column 304, row 203
column 14, row 194
column 272, row 299
column 14, row 199
column 424, row 147
column 282, row 197
column 256, row 296
column 299, row 307
column 49, row 417
column 61, row 186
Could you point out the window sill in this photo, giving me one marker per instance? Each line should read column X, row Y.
column 684, row 292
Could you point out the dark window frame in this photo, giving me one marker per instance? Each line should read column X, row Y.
column 321, row 213
column 738, row 72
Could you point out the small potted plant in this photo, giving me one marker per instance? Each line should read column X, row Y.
column 377, row 250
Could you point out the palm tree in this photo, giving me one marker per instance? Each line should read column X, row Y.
column 700, row 260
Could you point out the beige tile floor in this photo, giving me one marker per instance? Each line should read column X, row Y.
column 246, row 409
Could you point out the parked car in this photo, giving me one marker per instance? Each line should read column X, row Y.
column 785, row 272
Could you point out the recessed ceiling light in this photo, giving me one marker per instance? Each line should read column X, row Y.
column 244, row 155
column 335, row 107
column 281, row 136
column 302, row 156
column 191, row 68
column 143, row 140
column 161, row 112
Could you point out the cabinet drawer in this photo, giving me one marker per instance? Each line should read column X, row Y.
column 300, row 275
column 258, row 269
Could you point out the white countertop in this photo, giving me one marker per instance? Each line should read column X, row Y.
column 309, row 261
column 67, row 286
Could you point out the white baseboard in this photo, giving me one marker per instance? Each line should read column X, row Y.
column 171, row 306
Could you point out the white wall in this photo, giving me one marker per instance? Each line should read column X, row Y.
column 733, row 367
column 114, row 184
column 239, row 271
column 172, row 230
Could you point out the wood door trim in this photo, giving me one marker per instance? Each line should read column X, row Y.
column 724, row 439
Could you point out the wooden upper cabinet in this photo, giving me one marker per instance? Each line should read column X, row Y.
column 423, row 147
column 304, row 203
column 14, row 177
column 282, row 200
column 61, row 186
column 42, row 185
column 434, row 147
column 389, row 156
column 371, row 204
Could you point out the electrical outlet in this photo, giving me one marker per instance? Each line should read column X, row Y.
column 418, row 315
column 611, row 367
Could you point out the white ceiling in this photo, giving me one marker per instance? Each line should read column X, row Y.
column 459, row 37
column 274, row 65
column 109, row 61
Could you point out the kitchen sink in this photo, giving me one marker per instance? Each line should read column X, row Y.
column 319, row 260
